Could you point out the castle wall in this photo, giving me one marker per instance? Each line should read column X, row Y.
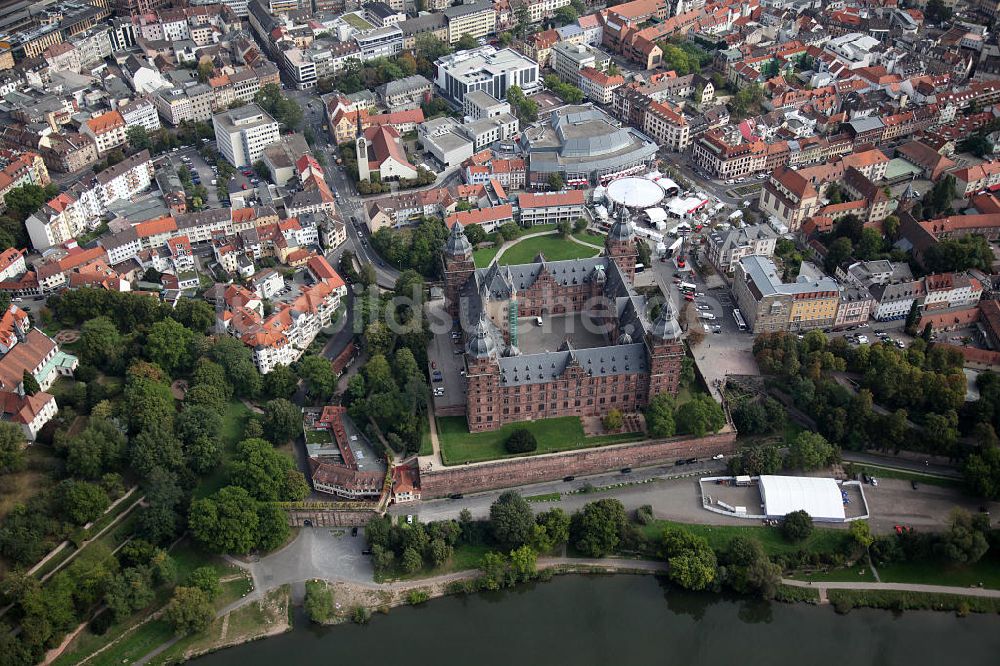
column 444, row 481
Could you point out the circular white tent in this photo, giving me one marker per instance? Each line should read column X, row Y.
column 634, row 192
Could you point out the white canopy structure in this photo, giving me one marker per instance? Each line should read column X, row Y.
column 656, row 215
column 819, row 497
column 634, row 192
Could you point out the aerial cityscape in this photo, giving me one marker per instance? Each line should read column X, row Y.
column 314, row 309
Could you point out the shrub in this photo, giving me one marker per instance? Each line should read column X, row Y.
column 417, row 597
column 318, row 602
column 361, row 615
column 521, row 441
column 644, row 515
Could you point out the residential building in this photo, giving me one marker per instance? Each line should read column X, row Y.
column 668, row 126
column 490, row 219
column 599, row 86
column 727, row 247
column 142, row 112
column 477, row 19
column 107, row 131
column 789, row 198
column 768, row 304
column 406, row 93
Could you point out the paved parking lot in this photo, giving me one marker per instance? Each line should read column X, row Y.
column 320, row 552
column 441, row 356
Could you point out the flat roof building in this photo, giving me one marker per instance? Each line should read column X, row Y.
column 488, row 69
column 242, row 134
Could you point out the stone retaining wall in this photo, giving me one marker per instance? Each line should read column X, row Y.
column 330, row 517
column 444, row 481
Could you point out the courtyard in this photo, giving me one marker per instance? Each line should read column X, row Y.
column 578, row 328
column 551, row 245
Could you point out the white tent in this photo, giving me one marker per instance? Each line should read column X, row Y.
column 656, row 215
column 820, row 498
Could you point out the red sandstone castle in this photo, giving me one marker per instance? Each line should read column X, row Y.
column 639, row 358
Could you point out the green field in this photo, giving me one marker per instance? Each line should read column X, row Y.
column 459, row 446
column 589, row 237
column 553, row 247
column 822, row 540
column 985, row 571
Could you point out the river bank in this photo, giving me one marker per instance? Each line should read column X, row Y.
column 598, row 620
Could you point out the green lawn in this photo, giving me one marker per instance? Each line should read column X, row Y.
column 589, row 237
column 985, row 571
column 484, row 256
column 318, row 436
column 553, row 247
column 889, row 473
column 822, row 540
column 464, row 558
column 136, row 645
column 426, row 447
column 459, row 446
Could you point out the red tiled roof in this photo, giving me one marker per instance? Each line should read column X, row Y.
column 159, row 225
column 106, row 122
column 544, row 199
column 480, row 216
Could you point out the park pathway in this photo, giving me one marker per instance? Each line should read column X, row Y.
column 824, row 586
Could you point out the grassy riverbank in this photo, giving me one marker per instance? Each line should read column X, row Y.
column 844, row 600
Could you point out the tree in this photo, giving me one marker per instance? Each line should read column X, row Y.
column 265, row 473
column 169, row 345
column 747, row 568
column 129, row 591
column 281, row 382
column 24, row 200
column 282, row 420
column 551, row 530
column 839, row 251
column 29, row 383
column 810, row 450
column 871, row 245
column 861, row 535
column 412, row 562
column 660, row 416
column 597, row 528
column 964, row 542
column 197, row 422
column 12, row 443
column 273, row 530
column 566, row 15
column 700, row 415
column 613, row 420
column 493, row 571
column 466, row 42
column 155, row 448
column 100, row 342
column 556, row 182
column 521, row 441
column 189, row 611
column 138, row 138
column 691, row 561
column 80, row 502
column 564, row 228
column 796, row 526
column 96, row 450
column 982, row 473
column 206, row 579
column 318, row 602
column 318, row 374
column 522, row 564
column 226, row 522
column 912, row 319
column 511, row 520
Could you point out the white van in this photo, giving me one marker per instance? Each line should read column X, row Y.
column 538, row 321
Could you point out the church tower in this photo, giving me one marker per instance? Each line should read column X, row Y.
column 361, row 151
column 620, row 244
column 458, row 266
column 666, row 352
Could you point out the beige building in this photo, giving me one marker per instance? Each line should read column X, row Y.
column 668, row 126
column 789, row 197
column 477, row 19
column 768, row 304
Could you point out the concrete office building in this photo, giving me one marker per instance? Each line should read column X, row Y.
column 242, row 134
column 768, row 304
column 486, row 69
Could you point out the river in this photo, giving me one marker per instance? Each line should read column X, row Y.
column 620, row 620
